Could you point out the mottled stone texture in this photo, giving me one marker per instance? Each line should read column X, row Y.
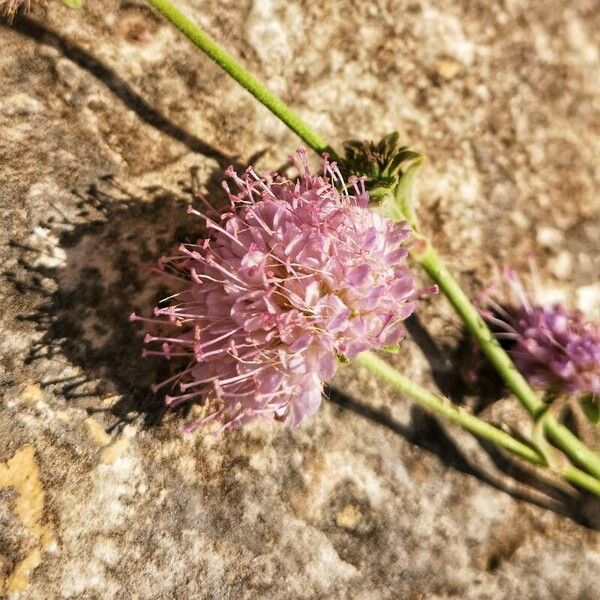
column 108, row 120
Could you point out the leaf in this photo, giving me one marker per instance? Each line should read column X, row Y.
column 73, row 3
column 590, row 404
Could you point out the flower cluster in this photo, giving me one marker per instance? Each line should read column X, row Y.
column 297, row 275
column 554, row 348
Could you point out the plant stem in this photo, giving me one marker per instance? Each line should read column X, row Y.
column 211, row 48
column 581, row 479
column 442, row 407
column 471, row 423
column 431, row 262
column 576, row 450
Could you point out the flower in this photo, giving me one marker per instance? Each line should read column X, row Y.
column 555, row 348
column 294, row 277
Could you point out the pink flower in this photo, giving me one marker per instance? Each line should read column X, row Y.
column 294, row 277
column 554, row 348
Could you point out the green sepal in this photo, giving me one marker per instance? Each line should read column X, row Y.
column 394, row 348
column 397, row 203
column 590, row 404
column 389, row 170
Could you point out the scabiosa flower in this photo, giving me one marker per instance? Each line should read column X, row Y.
column 555, row 348
column 293, row 277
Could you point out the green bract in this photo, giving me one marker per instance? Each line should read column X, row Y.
column 389, row 169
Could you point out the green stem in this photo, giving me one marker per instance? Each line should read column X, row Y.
column 560, row 435
column 471, row 423
column 431, row 262
column 576, row 450
column 211, row 48
column 442, row 407
column 581, row 479
column 572, row 446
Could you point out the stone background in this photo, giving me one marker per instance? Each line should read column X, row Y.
column 109, row 120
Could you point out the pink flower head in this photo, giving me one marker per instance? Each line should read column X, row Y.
column 554, row 348
column 295, row 276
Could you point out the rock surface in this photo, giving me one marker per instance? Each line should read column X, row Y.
column 109, row 121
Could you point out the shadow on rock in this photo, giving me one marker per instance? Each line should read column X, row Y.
column 520, row 481
column 98, row 271
column 461, row 372
column 119, row 87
